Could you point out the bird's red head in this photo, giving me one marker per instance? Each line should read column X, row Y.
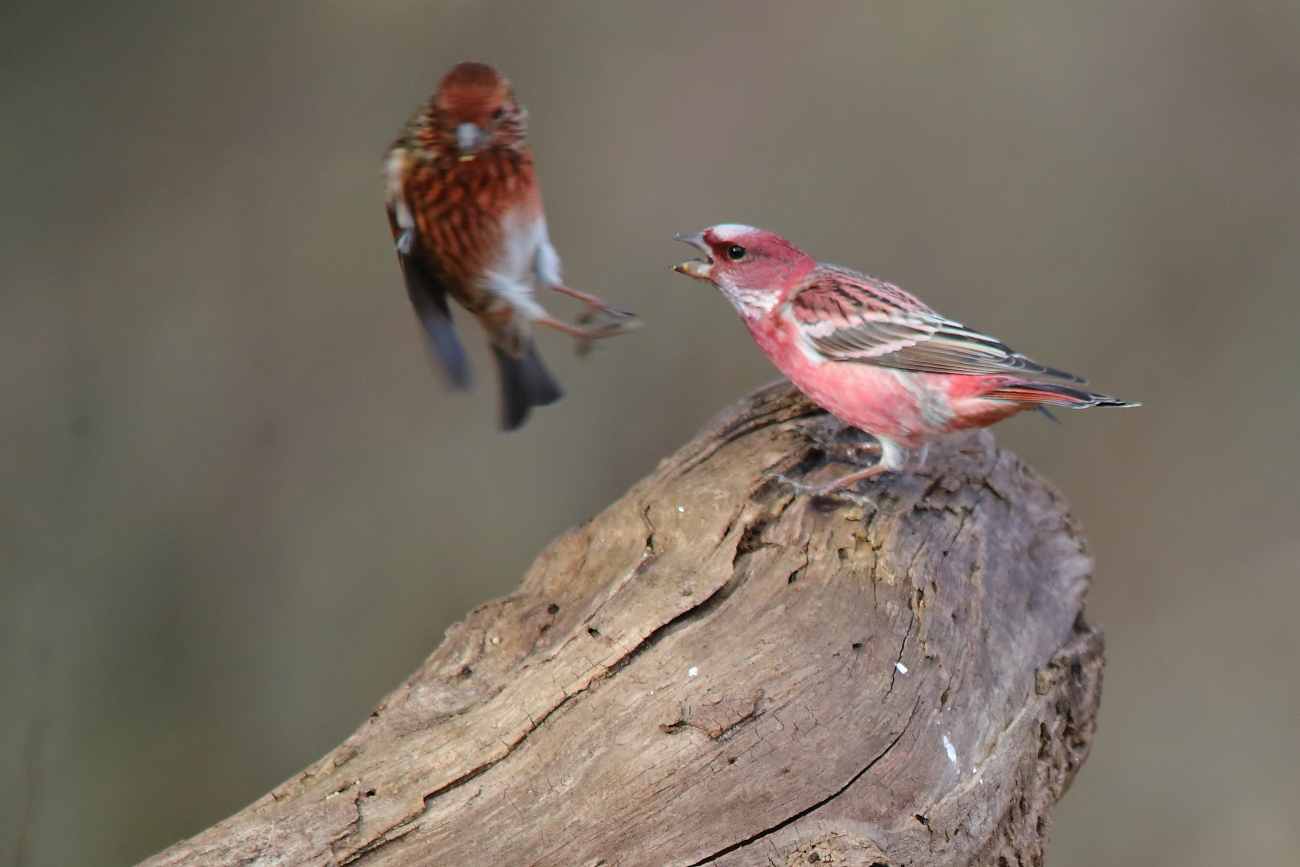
column 756, row 270
column 475, row 104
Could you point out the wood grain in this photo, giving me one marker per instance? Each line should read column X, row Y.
column 717, row 671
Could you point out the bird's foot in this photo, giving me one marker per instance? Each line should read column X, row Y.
column 586, row 337
column 600, row 308
column 842, row 442
column 834, row 490
column 595, row 306
column 588, row 340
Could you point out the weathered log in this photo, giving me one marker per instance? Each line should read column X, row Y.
column 718, row 671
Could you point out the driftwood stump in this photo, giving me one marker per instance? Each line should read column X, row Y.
column 717, row 671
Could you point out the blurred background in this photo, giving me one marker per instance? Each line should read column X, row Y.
column 238, row 506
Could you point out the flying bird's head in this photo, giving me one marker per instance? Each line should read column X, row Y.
column 756, row 270
column 475, row 105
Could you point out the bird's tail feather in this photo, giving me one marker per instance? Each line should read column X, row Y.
column 1056, row 395
column 525, row 383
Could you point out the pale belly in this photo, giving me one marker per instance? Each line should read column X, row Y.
column 525, row 262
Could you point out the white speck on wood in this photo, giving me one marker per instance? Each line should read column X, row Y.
column 547, row 718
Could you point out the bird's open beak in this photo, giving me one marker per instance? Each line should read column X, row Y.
column 469, row 138
column 699, row 269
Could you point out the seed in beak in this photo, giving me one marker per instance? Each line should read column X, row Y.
column 695, row 268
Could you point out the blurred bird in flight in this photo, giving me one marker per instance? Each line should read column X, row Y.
column 869, row 353
column 467, row 219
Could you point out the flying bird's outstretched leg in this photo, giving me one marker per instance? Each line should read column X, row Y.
column 587, row 336
column 595, row 306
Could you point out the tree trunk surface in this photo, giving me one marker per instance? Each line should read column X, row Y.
column 716, row 670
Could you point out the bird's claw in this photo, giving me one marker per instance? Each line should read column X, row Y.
column 602, row 309
column 829, row 441
column 588, row 338
column 830, row 490
column 595, row 306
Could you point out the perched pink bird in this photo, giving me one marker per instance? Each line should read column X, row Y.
column 467, row 219
column 869, row 353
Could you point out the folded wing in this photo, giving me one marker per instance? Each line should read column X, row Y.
column 850, row 317
column 429, row 298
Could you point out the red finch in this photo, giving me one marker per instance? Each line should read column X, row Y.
column 869, row 353
column 466, row 214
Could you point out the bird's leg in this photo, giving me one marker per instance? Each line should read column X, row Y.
column 853, row 478
column 587, row 336
column 892, row 457
column 837, row 488
column 829, row 436
column 595, row 306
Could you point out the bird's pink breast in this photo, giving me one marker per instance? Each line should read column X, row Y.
column 909, row 407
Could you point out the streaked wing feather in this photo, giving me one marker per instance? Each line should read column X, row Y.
column 954, row 348
column 851, row 317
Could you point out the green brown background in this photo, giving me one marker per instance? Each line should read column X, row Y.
column 237, row 507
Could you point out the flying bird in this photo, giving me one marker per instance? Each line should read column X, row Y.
column 869, row 353
column 467, row 221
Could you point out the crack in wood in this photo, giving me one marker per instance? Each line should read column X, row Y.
column 658, row 687
column 700, row 609
column 766, row 832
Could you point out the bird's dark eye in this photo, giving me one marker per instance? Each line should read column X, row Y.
column 735, row 252
column 500, row 113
